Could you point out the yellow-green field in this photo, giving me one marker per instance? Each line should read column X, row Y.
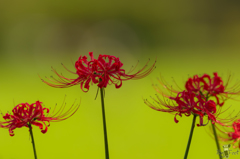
column 134, row 129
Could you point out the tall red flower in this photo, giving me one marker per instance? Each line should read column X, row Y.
column 25, row 114
column 206, row 86
column 211, row 87
column 105, row 70
column 187, row 103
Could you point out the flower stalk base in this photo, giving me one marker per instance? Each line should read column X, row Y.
column 104, row 125
column 31, row 134
column 216, row 139
column 190, row 137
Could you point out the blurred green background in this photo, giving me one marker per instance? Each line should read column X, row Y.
column 187, row 37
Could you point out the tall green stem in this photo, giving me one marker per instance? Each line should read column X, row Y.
column 190, row 137
column 216, row 139
column 31, row 133
column 104, row 125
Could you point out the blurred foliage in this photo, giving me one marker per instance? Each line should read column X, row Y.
column 183, row 23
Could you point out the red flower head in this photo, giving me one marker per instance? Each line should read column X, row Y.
column 210, row 87
column 187, row 103
column 25, row 114
column 234, row 136
column 206, row 86
column 105, row 70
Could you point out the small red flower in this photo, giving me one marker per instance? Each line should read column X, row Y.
column 187, row 103
column 25, row 114
column 233, row 136
column 105, row 70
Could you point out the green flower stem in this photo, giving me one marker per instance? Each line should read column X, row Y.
column 104, row 125
column 190, row 136
column 216, row 139
column 34, row 148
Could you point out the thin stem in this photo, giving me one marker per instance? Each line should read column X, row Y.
column 216, row 139
column 104, row 125
column 190, row 136
column 34, row 148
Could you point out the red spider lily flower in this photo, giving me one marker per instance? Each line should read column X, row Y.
column 187, row 103
column 233, row 136
column 105, row 70
column 207, row 86
column 25, row 114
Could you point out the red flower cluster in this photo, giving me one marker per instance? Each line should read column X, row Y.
column 206, row 86
column 105, row 70
column 234, row 136
column 25, row 114
column 195, row 99
column 209, row 87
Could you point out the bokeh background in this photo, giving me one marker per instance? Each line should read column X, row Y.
column 187, row 37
